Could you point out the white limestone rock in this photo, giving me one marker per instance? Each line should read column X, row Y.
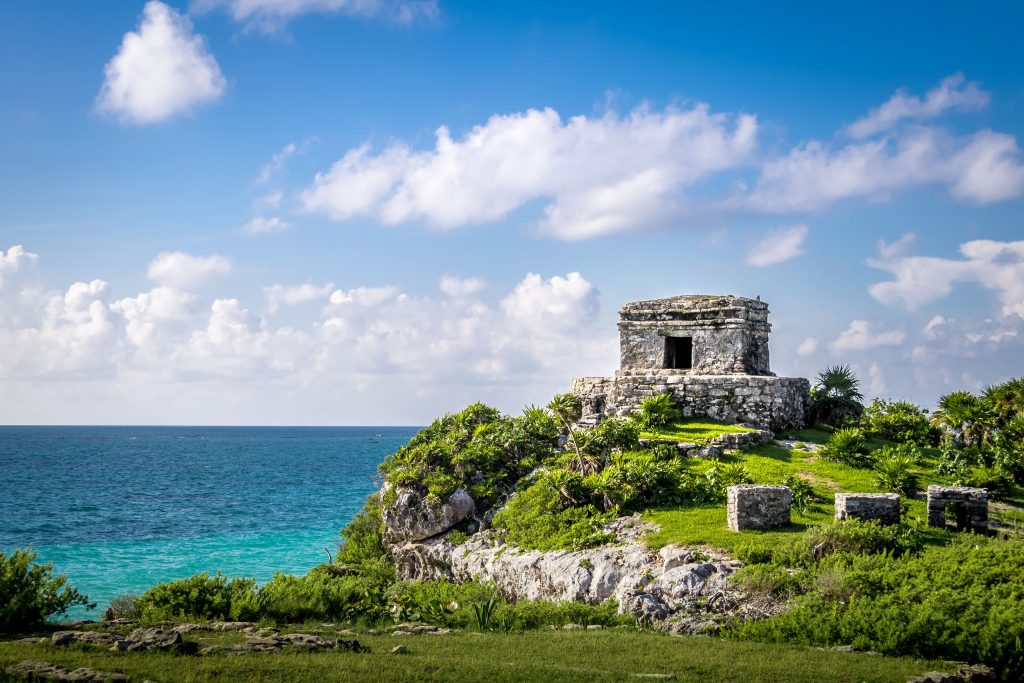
column 413, row 517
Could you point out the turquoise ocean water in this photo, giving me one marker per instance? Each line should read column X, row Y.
column 120, row 508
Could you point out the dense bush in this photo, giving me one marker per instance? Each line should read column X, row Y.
column 894, row 469
column 610, row 436
column 200, row 596
column 961, row 602
column 850, row 536
column 477, row 449
column 657, row 411
column 547, row 515
column 124, row 606
column 849, row 447
column 899, row 421
column 30, row 593
column 362, row 546
column 802, row 491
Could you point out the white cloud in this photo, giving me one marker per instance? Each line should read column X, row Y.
column 558, row 303
column 777, row 246
column 272, row 15
column 981, row 168
column 280, row 295
column 995, row 265
column 161, row 70
column 270, row 200
column 860, row 336
column 807, row 347
column 276, row 163
column 461, row 287
column 599, row 175
column 934, row 327
column 876, row 380
column 266, row 226
column 953, row 93
column 185, row 271
column 152, row 314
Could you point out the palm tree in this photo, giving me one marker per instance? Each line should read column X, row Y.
column 836, row 398
column 1006, row 400
column 568, row 409
column 965, row 419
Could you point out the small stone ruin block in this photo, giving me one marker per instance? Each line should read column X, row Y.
column 758, row 507
column 885, row 507
column 970, row 505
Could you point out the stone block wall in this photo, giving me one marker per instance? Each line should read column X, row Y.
column 758, row 507
column 773, row 403
column 971, row 507
column 885, row 507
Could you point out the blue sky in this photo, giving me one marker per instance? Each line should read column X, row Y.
column 243, row 211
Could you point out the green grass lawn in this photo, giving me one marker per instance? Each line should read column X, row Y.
column 769, row 464
column 611, row 655
column 694, row 430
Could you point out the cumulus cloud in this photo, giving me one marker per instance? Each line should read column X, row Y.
column 953, row 93
column 272, row 15
column 860, row 336
column 262, row 225
column 807, row 347
column 161, row 70
column 934, row 327
column 777, row 246
column 597, row 175
column 994, row 265
column 649, row 169
column 365, row 347
column 983, row 167
column 461, row 287
column 279, row 296
column 185, row 271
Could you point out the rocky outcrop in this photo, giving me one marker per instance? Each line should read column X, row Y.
column 36, row 670
column 410, row 516
column 651, row 585
column 140, row 640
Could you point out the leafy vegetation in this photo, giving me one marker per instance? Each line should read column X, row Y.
column 894, row 469
column 657, row 411
column 836, row 397
column 899, row 421
column 960, row 601
column 30, row 593
column 849, row 447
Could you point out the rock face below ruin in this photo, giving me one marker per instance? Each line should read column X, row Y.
column 409, row 516
column 651, row 585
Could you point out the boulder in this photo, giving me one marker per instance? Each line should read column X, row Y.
column 155, row 639
column 413, row 517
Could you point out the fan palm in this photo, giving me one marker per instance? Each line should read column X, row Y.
column 836, row 398
column 569, row 409
column 964, row 418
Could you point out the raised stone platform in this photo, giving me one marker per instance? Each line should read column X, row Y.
column 885, row 507
column 758, row 507
column 773, row 403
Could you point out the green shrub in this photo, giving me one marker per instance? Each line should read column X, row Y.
column 840, row 537
column 802, row 490
column 30, row 593
column 894, row 470
column 542, row 517
column 955, row 602
column 362, row 546
column 610, row 435
column 836, row 397
column 899, row 421
column 720, row 476
column 124, row 606
column 540, row 613
column 477, row 449
column 200, row 597
column 768, row 580
column 320, row 594
column 998, row 481
column 849, row 447
column 657, row 411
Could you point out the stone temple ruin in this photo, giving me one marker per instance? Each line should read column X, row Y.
column 710, row 352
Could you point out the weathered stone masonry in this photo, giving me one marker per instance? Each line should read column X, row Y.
column 752, row 506
column 885, row 507
column 710, row 352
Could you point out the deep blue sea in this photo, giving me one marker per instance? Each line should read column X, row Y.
column 120, row 508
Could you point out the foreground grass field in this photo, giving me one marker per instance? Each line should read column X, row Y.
column 531, row 656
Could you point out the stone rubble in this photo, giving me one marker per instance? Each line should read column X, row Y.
column 37, row 670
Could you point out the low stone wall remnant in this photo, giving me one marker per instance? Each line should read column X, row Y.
column 971, row 505
column 758, row 507
column 885, row 507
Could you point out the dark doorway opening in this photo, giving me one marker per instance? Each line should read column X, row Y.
column 679, row 353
